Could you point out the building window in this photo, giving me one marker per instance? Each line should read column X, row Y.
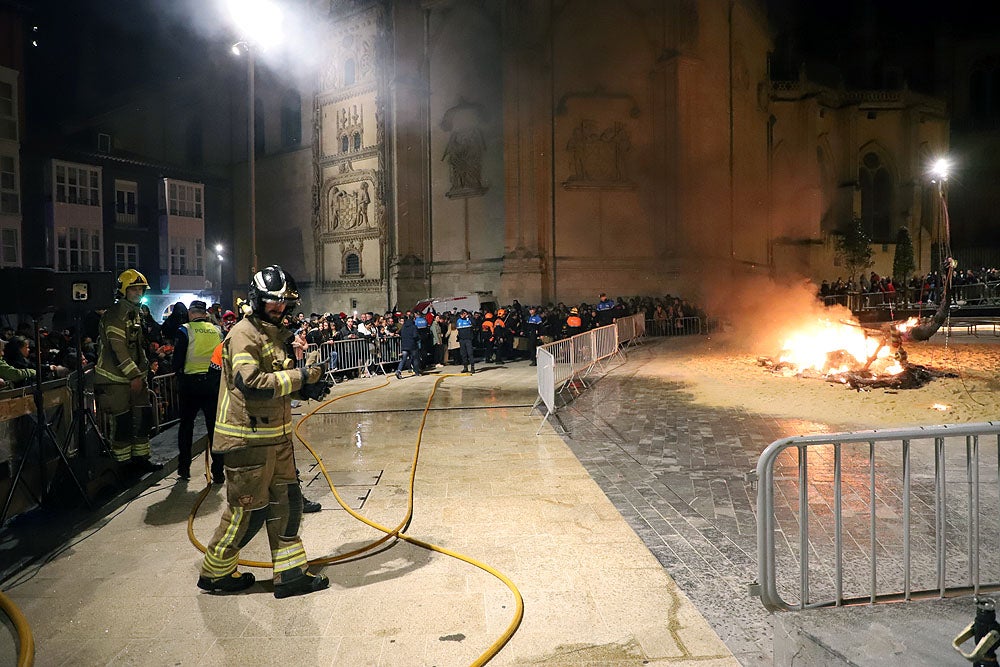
column 185, row 200
column 187, row 256
column 352, row 264
column 8, row 111
column 126, row 195
column 78, row 249
column 77, row 184
column 199, row 258
column 876, row 198
column 291, row 119
column 126, row 256
column 10, row 247
column 357, row 141
column 10, row 200
column 344, row 144
column 350, row 74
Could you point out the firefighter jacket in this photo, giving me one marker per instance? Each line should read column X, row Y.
column 122, row 340
column 259, row 381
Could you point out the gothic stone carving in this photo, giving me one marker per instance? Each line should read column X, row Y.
column 598, row 156
column 464, row 151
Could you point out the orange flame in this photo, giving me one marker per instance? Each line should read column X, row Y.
column 832, row 348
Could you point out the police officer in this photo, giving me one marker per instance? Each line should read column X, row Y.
column 120, row 384
column 532, row 330
column 253, row 429
column 199, row 384
column 605, row 311
column 465, row 337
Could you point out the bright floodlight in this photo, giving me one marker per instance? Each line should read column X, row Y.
column 940, row 168
column 218, row 248
column 219, row 257
column 257, row 21
column 236, row 49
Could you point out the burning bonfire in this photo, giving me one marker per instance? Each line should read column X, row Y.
column 845, row 352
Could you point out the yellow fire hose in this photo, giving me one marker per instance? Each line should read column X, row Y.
column 25, row 640
column 389, row 532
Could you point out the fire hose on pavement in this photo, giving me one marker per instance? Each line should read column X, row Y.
column 389, row 533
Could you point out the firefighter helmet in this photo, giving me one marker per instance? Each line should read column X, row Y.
column 131, row 278
column 274, row 285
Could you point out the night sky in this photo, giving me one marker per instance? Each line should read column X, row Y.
column 130, row 43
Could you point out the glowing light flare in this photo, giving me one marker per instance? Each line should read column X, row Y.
column 941, row 407
column 257, row 21
column 941, row 168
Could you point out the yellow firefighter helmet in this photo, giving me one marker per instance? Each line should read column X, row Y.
column 131, row 278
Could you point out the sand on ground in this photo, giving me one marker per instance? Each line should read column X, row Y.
column 722, row 371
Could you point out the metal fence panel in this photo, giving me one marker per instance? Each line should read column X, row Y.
column 881, row 516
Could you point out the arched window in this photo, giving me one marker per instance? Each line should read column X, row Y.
column 349, row 72
column 876, row 198
column 357, row 141
column 352, row 264
column 291, row 119
column 344, row 143
column 258, row 127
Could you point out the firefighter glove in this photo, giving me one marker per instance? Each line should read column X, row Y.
column 312, row 374
column 315, row 390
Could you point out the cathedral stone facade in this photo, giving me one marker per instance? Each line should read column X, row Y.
column 549, row 150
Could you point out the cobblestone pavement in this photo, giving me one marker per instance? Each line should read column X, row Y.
column 676, row 471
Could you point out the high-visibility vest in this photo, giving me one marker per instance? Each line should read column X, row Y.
column 574, row 322
column 203, row 337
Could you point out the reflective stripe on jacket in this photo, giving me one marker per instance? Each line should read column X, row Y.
column 122, row 355
column 259, row 380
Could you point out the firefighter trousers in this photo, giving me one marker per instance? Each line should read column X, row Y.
column 130, row 416
column 261, row 490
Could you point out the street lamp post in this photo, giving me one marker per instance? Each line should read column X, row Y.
column 259, row 25
column 219, row 257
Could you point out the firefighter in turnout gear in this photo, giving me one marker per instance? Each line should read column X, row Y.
column 120, row 384
column 199, row 384
column 253, row 429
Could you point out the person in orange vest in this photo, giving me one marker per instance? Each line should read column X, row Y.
column 486, row 331
column 574, row 324
column 501, row 337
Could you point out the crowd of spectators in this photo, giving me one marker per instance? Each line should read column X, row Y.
column 924, row 289
column 506, row 342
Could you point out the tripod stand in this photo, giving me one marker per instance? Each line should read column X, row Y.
column 84, row 421
column 40, row 434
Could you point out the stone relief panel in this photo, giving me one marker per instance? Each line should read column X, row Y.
column 597, row 147
column 352, row 58
column 464, row 150
column 348, row 208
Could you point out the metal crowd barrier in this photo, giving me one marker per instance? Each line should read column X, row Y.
column 366, row 356
column 681, row 326
column 874, row 518
column 631, row 329
column 166, row 400
column 566, row 363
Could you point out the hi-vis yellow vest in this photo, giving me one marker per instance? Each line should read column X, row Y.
column 202, row 338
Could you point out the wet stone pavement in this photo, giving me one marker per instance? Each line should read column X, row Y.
column 677, row 470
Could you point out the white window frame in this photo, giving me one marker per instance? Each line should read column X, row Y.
column 78, row 249
column 126, row 256
column 10, row 195
column 76, row 184
column 8, row 106
column 126, row 211
column 10, row 239
column 186, row 199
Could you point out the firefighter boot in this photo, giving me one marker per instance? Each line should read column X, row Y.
column 233, row 583
column 307, row 583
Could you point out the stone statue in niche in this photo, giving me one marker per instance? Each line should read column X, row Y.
column 464, row 151
column 598, row 156
column 364, row 200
